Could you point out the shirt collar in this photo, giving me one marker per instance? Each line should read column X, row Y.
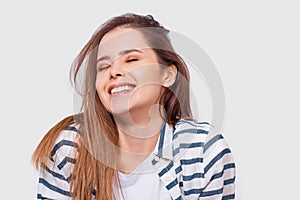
column 163, row 148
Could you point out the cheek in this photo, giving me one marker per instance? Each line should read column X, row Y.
column 100, row 89
column 99, row 84
column 148, row 74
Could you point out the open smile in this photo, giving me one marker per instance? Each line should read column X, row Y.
column 119, row 89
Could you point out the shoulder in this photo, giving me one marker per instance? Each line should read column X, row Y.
column 206, row 160
column 55, row 175
column 188, row 139
column 192, row 123
column 60, row 163
column 199, row 131
column 199, row 139
column 66, row 144
column 191, row 131
column 68, row 136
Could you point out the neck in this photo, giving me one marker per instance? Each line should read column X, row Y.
column 138, row 132
column 138, row 135
column 134, row 150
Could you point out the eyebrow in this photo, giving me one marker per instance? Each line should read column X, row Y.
column 121, row 54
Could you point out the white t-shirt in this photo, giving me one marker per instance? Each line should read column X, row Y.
column 142, row 184
column 146, row 186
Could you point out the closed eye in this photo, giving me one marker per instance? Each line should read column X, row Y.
column 132, row 60
column 103, row 67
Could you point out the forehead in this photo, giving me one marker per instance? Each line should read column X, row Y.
column 120, row 39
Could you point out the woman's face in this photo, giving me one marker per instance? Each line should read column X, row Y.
column 129, row 77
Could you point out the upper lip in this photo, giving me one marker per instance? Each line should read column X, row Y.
column 112, row 86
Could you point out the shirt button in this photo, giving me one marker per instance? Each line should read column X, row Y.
column 156, row 158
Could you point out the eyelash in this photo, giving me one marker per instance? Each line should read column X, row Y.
column 102, row 68
column 107, row 66
column 132, row 60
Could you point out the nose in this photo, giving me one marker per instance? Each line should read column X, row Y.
column 116, row 71
column 114, row 74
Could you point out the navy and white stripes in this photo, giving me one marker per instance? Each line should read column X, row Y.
column 55, row 175
column 188, row 165
column 197, row 168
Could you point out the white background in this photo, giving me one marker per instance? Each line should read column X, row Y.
column 254, row 46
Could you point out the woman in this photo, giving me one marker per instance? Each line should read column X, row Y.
column 135, row 137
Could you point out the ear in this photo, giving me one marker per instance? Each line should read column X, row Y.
column 169, row 75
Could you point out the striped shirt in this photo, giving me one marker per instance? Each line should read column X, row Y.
column 190, row 161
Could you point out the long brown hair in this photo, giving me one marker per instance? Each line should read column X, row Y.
column 97, row 127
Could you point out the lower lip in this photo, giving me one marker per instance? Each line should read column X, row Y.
column 122, row 93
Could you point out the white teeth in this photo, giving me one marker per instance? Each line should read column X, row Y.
column 120, row 89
